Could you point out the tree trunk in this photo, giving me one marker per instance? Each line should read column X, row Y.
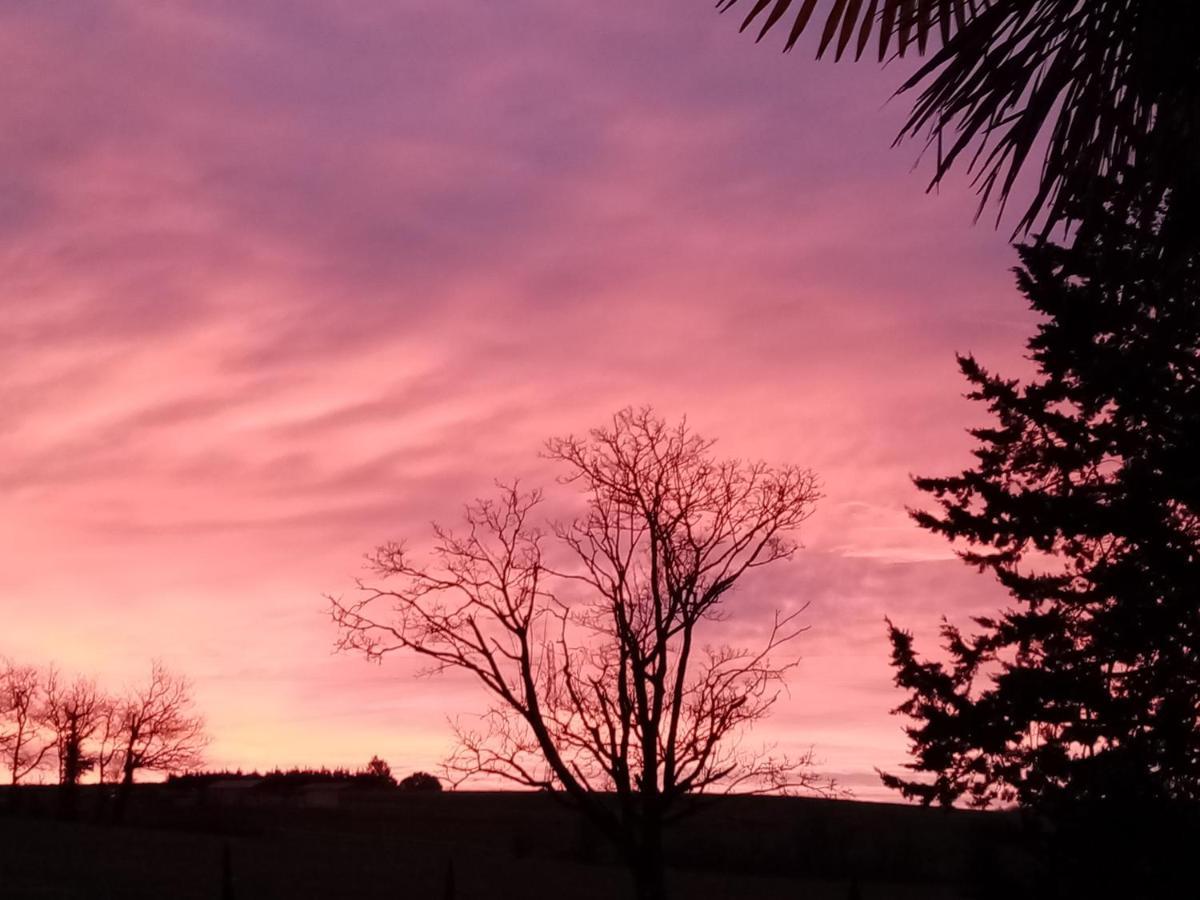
column 648, row 883
column 123, row 792
column 226, row 873
column 648, row 880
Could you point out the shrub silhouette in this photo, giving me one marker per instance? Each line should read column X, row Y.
column 378, row 770
column 420, row 781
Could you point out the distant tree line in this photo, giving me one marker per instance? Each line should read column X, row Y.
column 68, row 727
column 376, row 773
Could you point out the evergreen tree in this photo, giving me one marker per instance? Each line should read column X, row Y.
column 1084, row 501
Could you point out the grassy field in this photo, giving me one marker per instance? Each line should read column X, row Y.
column 377, row 844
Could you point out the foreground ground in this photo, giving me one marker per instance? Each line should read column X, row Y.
column 363, row 845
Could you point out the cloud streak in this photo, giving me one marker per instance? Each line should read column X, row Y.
column 285, row 280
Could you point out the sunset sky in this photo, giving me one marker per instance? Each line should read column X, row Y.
column 283, row 280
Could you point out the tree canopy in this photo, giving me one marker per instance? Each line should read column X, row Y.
column 593, row 637
column 1084, row 501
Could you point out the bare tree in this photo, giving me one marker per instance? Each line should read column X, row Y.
column 593, row 636
column 22, row 738
column 157, row 729
column 72, row 713
column 108, row 744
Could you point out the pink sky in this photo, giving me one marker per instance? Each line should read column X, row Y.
column 283, row 280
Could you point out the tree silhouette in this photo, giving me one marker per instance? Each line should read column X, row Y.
column 420, row 781
column 378, row 770
column 107, row 744
column 592, row 635
column 1107, row 86
column 72, row 712
column 157, row 729
column 23, row 744
column 1085, row 503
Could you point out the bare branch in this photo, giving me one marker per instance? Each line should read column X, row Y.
column 598, row 667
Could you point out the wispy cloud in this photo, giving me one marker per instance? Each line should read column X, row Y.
column 283, row 280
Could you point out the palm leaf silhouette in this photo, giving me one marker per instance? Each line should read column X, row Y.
column 905, row 20
column 1108, row 86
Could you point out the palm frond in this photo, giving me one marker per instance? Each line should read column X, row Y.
column 908, row 21
column 1110, row 88
column 1104, row 86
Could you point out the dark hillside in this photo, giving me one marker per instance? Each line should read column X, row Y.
column 367, row 843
